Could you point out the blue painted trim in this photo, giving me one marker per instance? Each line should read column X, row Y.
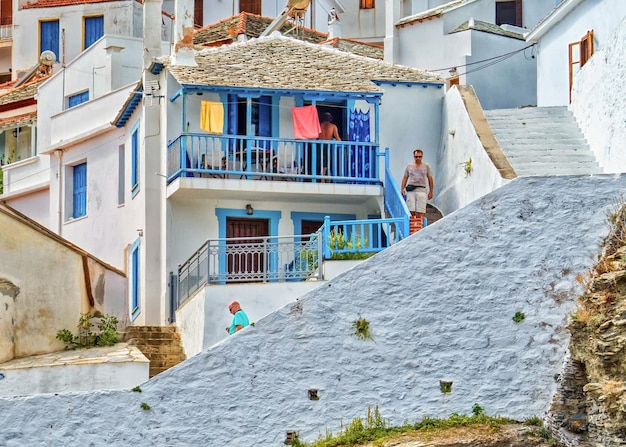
column 135, row 159
column 175, row 96
column 297, row 217
column 408, row 84
column 223, row 213
column 130, row 107
column 319, row 95
column 79, row 193
column 299, row 101
column 275, row 107
column 135, row 285
column 224, row 101
column 156, row 68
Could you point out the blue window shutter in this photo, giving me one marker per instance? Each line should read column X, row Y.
column 79, row 98
column 134, row 175
column 134, row 261
column 94, row 30
column 49, row 37
column 80, row 190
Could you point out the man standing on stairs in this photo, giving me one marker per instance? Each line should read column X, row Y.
column 240, row 319
column 416, row 175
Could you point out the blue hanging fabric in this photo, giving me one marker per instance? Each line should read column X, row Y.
column 359, row 130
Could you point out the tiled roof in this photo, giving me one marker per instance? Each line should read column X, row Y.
column 486, row 27
column 278, row 62
column 433, row 12
column 25, row 91
column 18, row 119
column 52, row 3
column 357, row 47
column 251, row 25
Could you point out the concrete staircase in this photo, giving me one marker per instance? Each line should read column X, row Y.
column 160, row 344
column 542, row 141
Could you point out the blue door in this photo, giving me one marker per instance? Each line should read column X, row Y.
column 49, row 37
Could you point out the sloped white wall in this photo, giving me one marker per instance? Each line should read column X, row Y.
column 440, row 307
column 599, row 102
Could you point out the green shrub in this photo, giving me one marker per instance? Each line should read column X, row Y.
column 338, row 242
column 106, row 335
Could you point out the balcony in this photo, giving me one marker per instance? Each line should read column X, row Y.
column 267, row 158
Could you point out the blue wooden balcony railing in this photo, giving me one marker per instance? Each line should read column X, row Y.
column 268, row 158
column 394, row 202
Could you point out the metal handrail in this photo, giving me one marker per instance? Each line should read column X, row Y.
column 394, row 202
column 198, row 154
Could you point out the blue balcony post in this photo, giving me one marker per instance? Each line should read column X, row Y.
column 326, row 237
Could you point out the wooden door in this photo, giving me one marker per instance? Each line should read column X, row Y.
column 246, row 258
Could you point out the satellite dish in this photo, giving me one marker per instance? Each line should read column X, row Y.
column 48, row 58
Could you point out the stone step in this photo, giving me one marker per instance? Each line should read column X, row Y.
column 170, row 329
column 161, row 345
column 551, row 170
column 152, row 335
column 529, row 111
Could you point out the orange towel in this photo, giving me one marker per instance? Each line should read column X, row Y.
column 306, row 124
column 212, row 117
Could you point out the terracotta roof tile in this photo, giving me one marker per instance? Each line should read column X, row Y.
column 17, row 119
column 25, row 91
column 278, row 62
column 251, row 25
column 53, row 3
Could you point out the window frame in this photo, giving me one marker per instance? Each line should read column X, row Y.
column 81, row 97
column 84, row 34
column 57, row 44
column 134, row 160
column 135, row 276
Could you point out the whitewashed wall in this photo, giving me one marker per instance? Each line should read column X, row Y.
column 493, row 85
column 459, row 143
column 119, row 18
column 34, row 204
column 552, row 52
column 599, row 102
column 518, row 249
column 410, row 119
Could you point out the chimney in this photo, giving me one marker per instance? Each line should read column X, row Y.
column 392, row 16
column 334, row 24
column 183, row 53
column 151, row 30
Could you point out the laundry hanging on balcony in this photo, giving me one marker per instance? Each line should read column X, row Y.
column 212, row 117
column 306, row 123
column 359, row 130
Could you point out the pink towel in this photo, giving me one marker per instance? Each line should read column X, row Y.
column 306, row 124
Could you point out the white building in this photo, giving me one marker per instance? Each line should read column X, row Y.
column 566, row 38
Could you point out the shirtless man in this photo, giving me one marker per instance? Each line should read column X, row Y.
column 329, row 132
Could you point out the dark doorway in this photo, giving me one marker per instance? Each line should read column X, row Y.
column 246, row 258
column 309, row 227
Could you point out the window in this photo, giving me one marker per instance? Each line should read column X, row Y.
column 79, row 195
column 367, row 4
column 49, row 37
column 78, row 98
column 93, row 28
column 121, row 171
column 198, row 12
column 134, row 160
column 585, row 51
column 135, row 308
column 251, row 6
column 509, row 12
column 6, row 12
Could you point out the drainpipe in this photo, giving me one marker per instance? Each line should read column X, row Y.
column 59, row 154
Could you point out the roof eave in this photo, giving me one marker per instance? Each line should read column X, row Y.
column 553, row 18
